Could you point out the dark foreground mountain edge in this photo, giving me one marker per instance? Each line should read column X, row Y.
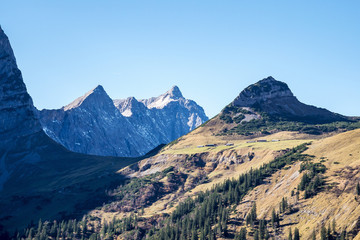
column 39, row 178
column 213, row 183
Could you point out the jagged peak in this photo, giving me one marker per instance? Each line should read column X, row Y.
column 128, row 105
column 174, row 94
column 98, row 94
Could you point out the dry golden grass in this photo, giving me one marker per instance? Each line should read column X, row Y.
column 340, row 152
column 337, row 203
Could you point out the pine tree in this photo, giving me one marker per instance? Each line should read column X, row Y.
column 313, row 235
column 358, row 188
column 343, row 235
column 262, row 229
column 323, row 234
column 273, row 218
column 329, row 232
column 253, row 212
column 256, row 235
column 242, row 234
column 290, row 235
column 297, row 195
column 334, row 226
column 296, row 234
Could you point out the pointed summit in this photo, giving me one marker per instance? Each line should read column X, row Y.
column 95, row 97
column 175, row 92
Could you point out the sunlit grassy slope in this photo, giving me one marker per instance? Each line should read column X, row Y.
column 340, row 153
column 337, row 201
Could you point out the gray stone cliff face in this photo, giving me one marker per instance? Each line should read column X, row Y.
column 275, row 98
column 20, row 129
column 94, row 124
column 17, row 113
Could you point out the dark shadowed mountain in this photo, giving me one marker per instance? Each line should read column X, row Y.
column 39, row 178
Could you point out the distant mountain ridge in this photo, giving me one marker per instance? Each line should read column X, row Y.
column 96, row 124
column 34, row 169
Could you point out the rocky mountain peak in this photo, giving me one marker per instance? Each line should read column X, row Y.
column 275, row 98
column 129, row 105
column 17, row 113
column 95, row 97
column 7, row 58
column 262, row 91
column 174, row 92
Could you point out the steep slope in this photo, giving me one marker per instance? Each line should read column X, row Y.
column 17, row 113
column 205, row 184
column 94, row 124
column 204, row 158
column 275, row 98
column 91, row 124
column 16, row 109
column 39, row 178
column 170, row 115
column 337, row 202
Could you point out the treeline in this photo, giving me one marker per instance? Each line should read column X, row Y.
column 268, row 123
column 312, row 180
column 206, row 215
column 83, row 229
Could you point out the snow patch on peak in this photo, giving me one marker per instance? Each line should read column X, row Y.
column 126, row 106
column 174, row 94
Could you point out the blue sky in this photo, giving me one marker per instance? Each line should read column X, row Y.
column 210, row 49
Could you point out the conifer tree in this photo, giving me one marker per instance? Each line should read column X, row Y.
column 313, row 235
column 323, row 233
column 296, row 234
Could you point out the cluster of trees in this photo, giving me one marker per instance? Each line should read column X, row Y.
column 296, row 234
column 268, row 123
column 330, row 233
column 203, row 217
column 73, row 229
column 206, row 216
column 312, row 180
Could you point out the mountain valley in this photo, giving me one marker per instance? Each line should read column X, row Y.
column 266, row 167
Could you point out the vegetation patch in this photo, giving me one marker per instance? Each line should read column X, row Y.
column 268, row 124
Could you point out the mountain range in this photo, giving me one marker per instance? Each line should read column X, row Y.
column 96, row 124
column 267, row 166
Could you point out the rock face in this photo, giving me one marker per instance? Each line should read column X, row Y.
column 95, row 124
column 33, row 167
column 275, row 98
column 17, row 113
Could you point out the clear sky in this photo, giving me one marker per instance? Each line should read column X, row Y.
column 210, row 49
